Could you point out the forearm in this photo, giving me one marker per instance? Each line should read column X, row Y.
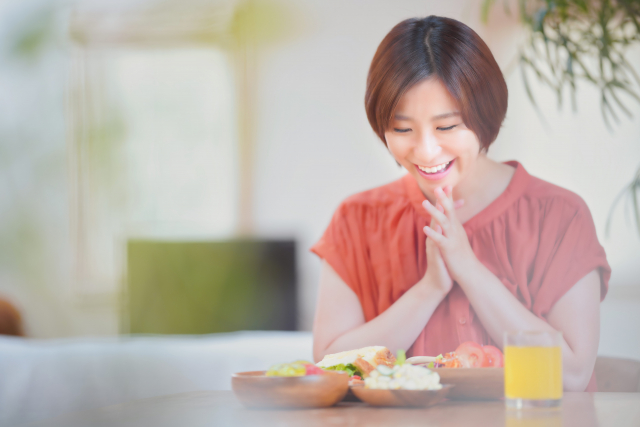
column 500, row 311
column 396, row 328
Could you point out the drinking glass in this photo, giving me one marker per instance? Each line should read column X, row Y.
column 532, row 369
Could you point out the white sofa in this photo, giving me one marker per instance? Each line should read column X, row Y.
column 45, row 378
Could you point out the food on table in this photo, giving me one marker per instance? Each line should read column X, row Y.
column 402, row 377
column 470, row 355
column 356, row 380
column 298, row 368
column 493, row 357
column 358, row 362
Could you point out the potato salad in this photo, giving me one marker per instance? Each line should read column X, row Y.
column 403, row 377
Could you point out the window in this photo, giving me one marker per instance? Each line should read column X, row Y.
column 153, row 153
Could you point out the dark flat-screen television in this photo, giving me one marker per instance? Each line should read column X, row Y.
column 180, row 287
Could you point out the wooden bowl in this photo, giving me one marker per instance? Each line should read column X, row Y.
column 406, row 398
column 473, row 383
column 255, row 390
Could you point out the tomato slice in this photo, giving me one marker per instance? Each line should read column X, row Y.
column 493, row 357
column 470, row 355
column 312, row 369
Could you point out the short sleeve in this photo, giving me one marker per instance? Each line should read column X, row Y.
column 344, row 247
column 568, row 251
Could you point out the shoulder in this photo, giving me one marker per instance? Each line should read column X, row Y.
column 553, row 199
column 362, row 215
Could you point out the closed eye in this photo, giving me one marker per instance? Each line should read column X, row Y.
column 448, row 128
column 401, row 130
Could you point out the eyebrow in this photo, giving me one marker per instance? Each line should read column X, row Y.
column 438, row 117
column 446, row 115
column 401, row 117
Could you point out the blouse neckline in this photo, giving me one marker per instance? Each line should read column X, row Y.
column 514, row 190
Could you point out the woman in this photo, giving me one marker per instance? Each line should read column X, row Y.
column 504, row 250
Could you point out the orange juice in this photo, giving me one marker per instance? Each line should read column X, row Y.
column 533, row 373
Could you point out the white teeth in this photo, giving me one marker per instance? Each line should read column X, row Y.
column 435, row 168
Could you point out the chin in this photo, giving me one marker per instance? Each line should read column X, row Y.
column 452, row 179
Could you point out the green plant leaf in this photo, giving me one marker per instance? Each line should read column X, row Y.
column 566, row 34
column 634, row 189
column 538, row 19
column 484, row 11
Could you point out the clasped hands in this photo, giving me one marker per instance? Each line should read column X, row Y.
column 449, row 254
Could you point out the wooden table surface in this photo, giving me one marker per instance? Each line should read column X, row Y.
column 220, row 408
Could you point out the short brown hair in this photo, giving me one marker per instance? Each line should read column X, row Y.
column 417, row 49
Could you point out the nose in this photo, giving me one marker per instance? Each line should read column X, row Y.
column 429, row 148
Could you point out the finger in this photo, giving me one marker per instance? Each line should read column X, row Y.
column 445, row 201
column 439, row 207
column 448, row 190
column 438, row 238
column 435, row 226
column 444, row 195
column 434, row 212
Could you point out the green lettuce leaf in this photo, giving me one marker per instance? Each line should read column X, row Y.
column 349, row 368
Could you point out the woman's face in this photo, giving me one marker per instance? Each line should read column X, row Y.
column 427, row 137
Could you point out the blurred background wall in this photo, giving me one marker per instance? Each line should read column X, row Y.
column 112, row 130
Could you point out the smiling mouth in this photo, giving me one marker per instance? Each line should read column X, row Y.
column 436, row 169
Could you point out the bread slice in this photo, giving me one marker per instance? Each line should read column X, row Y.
column 364, row 359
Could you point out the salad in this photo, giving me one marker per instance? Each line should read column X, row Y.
column 402, row 376
column 470, row 355
column 298, row 368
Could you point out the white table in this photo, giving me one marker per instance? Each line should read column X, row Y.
column 221, row 408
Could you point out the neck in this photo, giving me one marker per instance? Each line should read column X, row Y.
column 476, row 180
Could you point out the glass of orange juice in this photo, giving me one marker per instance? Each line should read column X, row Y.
column 532, row 369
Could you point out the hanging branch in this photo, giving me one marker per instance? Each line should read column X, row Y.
column 573, row 40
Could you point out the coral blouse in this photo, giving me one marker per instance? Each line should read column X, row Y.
column 537, row 238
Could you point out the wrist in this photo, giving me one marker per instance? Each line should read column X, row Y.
column 429, row 288
column 467, row 270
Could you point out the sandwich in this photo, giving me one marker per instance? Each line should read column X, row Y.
column 358, row 362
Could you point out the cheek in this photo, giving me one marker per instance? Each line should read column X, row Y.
column 467, row 146
column 397, row 149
